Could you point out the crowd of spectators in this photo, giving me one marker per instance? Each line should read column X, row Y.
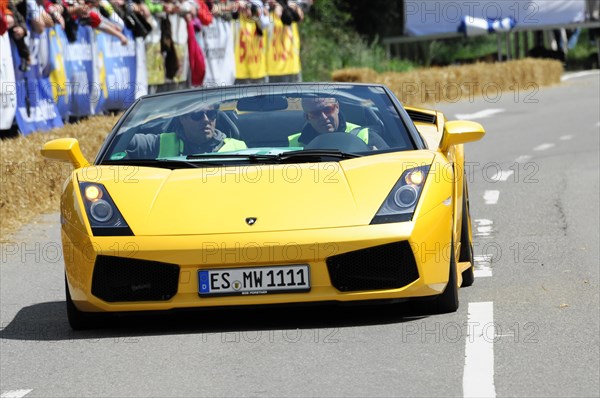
column 20, row 17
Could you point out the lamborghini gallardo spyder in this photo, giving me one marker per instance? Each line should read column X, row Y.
column 267, row 194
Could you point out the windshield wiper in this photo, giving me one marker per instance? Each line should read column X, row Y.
column 318, row 154
column 161, row 163
column 308, row 155
column 236, row 156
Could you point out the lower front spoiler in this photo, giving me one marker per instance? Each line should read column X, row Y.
column 322, row 314
column 317, row 296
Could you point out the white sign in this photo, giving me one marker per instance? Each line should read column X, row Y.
column 8, row 86
column 431, row 17
column 216, row 41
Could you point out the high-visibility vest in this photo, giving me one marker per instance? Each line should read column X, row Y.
column 362, row 133
column 172, row 145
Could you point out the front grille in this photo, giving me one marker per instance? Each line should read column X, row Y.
column 421, row 117
column 127, row 279
column 388, row 266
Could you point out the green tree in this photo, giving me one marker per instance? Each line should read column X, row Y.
column 330, row 42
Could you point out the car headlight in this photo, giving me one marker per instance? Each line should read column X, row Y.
column 105, row 219
column 401, row 202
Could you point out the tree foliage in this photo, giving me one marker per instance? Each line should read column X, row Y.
column 330, row 41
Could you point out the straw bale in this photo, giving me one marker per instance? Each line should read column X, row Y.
column 31, row 185
column 429, row 86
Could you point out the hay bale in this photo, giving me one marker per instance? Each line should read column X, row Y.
column 31, row 185
column 354, row 75
column 421, row 87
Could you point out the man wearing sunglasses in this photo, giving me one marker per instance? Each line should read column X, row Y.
column 190, row 133
column 323, row 116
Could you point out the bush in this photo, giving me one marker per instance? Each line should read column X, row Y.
column 329, row 42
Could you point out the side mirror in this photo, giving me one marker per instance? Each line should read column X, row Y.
column 459, row 132
column 65, row 150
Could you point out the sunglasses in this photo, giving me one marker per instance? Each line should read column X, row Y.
column 327, row 110
column 211, row 114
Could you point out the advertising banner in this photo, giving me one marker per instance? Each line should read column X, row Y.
column 155, row 61
column 180, row 37
column 431, row 17
column 8, row 86
column 250, row 50
column 57, row 48
column 118, row 75
column 141, row 74
column 283, row 51
column 79, row 61
column 216, row 41
column 36, row 109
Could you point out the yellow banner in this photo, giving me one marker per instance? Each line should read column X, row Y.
column 250, row 50
column 283, row 52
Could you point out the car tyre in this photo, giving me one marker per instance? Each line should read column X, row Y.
column 77, row 319
column 466, row 246
column 448, row 301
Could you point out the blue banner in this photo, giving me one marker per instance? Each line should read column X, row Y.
column 57, row 47
column 79, row 61
column 36, row 109
column 117, row 70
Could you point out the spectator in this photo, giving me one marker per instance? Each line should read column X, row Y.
column 135, row 15
column 15, row 23
column 204, row 12
column 254, row 10
column 288, row 11
column 87, row 13
column 37, row 16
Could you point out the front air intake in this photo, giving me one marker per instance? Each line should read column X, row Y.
column 125, row 279
column 388, row 266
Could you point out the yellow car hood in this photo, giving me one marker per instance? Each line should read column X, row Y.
column 217, row 200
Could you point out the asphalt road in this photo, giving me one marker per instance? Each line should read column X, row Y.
column 529, row 326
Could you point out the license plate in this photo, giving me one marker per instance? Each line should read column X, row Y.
column 257, row 280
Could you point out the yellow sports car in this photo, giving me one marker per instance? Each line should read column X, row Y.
column 267, row 194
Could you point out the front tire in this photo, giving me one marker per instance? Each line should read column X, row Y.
column 77, row 319
column 466, row 247
column 448, row 301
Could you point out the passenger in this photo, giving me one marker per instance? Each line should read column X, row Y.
column 192, row 133
column 324, row 116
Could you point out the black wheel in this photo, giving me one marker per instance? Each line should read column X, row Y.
column 466, row 247
column 77, row 319
column 448, row 301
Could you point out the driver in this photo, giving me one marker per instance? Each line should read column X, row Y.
column 323, row 116
column 191, row 133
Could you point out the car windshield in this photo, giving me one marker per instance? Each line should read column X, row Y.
column 258, row 124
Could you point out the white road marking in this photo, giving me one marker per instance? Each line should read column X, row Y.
column 478, row 375
column 484, row 114
column 484, row 231
column 15, row 393
column 483, row 227
column 570, row 76
column 503, row 175
column 522, row 159
column 491, row 197
column 565, row 137
column 544, row 146
column 482, row 266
